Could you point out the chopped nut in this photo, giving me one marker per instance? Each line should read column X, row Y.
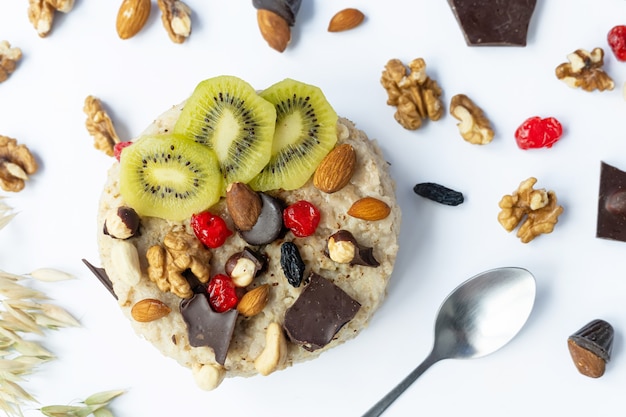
column 100, row 126
column 176, row 18
column 167, row 263
column 243, row 266
column 273, row 355
column 41, row 15
column 8, row 59
column 415, row 95
column 16, row 164
column 536, row 210
column 473, row 124
column 584, row 70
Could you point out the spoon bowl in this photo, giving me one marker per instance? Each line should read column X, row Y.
column 478, row 317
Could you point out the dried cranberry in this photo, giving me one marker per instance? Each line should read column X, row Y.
column 302, row 218
column 119, row 146
column 617, row 41
column 538, row 133
column 210, row 229
column 222, row 293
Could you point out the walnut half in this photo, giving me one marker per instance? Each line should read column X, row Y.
column 176, row 18
column 473, row 124
column 179, row 252
column 536, row 210
column 415, row 95
column 8, row 59
column 16, row 164
column 100, row 126
column 584, row 70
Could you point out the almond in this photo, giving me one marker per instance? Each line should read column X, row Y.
column 244, row 205
column 369, row 208
column 254, row 301
column 345, row 19
column 274, row 28
column 149, row 309
column 131, row 17
column 336, row 169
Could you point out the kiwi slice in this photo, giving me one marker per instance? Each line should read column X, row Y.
column 226, row 114
column 170, row 177
column 306, row 130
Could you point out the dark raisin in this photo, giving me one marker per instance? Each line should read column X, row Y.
column 439, row 193
column 292, row 263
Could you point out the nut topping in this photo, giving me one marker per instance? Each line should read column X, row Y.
column 273, row 355
column 473, row 124
column 584, row 70
column 254, row 301
column 16, row 164
column 244, row 205
column 149, row 309
column 121, row 223
column 243, row 266
column 336, row 169
column 369, row 208
column 342, row 247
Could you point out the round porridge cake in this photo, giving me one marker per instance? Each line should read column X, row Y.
column 285, row 322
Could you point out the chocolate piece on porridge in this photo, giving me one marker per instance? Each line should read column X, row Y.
column 494, row 22
column 319, row 313
column 102, row 276
column 612, row 204
column 206, row 327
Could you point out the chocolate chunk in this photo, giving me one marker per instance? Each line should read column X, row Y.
column 342, row 247
column 320, row 311
column 269, row 225
column 205, row 327
column 612, row 204
column 258, row 259
column 102, row 276
column 591, row 346
column 287, row 9
column 494, row 22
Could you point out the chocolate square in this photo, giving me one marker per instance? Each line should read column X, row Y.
column 494, row 22
column 320, row 311
column 612, row 204
column 206, row 327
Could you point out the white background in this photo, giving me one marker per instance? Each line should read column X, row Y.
column 579, row 277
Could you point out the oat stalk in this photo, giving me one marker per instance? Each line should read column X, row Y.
column 95, row 405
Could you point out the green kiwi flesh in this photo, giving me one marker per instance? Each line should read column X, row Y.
column 306, row 130
column 170, row 177
column 226, row 114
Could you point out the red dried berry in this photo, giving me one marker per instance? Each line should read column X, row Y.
column 302, row 218
column 222, row 293
column 119, row 146
column 210, row 229
column 617, row 41
column 538, row 133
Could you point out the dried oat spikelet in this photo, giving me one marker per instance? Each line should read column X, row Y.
column 95, row 404
column 100, row 126
column 6, row 213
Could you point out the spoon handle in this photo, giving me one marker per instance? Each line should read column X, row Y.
column 392, row 395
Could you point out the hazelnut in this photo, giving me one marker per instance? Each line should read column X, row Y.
column 121, row 223
column 342, row 247
column 243, row 266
